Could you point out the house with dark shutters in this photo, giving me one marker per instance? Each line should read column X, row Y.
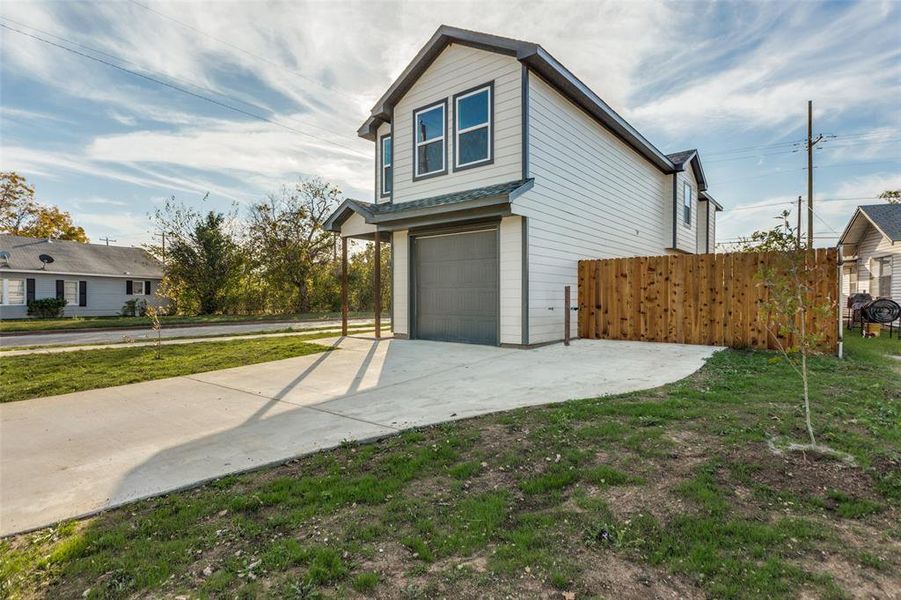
column 95, row 279
column 496, row 171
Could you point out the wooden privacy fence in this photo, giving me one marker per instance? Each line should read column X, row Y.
column 710, row 299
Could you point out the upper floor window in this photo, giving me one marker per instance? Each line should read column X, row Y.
column 686, row 204
column 386, row 165
column 472, row 111
column 429, row 136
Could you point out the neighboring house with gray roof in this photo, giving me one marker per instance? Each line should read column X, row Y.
column 871, row 250
column 496, row 170
column 96, row 280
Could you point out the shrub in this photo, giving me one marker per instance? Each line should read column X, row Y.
column 134, row 308
column 46, row 308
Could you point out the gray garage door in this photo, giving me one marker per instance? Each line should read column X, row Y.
column 456, row 288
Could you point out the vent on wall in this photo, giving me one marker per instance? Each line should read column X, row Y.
column 4, row 258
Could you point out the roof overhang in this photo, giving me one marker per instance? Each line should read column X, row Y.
column 538, row 60
column 855, row 230
column 464, row 206
column 708, row 198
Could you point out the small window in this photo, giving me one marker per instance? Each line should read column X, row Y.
column 428, row 131
column 686, row 204
column 881, row 277
column 13, row 291
column 137, row 287
column 473, row 127
column 70, row 293
column 386, row 165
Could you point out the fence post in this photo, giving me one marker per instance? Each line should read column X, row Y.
column 566, row 312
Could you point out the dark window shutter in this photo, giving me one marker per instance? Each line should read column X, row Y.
column 128, row 289
column 82, row 293
column 60, row 288
column 146, row 288
column 29, row 290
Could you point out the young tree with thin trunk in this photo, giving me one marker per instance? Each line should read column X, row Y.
column 790, row 303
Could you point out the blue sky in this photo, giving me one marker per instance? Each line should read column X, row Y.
column 729, row 78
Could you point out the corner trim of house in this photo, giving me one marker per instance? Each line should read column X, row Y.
column 524, row 292
column 675, row 201
column 524, row 107
column 532, row 346
column 401, row 336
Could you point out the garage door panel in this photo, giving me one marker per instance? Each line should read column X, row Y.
column 456, row 287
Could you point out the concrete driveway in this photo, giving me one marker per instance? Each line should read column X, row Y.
column 71, row 455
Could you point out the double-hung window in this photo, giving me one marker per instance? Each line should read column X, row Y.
column 472, row 127
column 70, row 293
column 881, row 276
column 430, row 141
column 13, row 291
column 686, row 204
column 386, row 165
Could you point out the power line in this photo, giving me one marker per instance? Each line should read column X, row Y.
column 183, row 90
column 231, row 45
column 182, row 81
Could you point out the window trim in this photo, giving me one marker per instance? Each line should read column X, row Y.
column 878, row 260
column 416, row 112
column 459, row 96
column 686, row 214
column 141, row 287
column 4, row 292
column 382, row 166
column 65, row 283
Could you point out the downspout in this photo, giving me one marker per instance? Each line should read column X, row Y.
column 675, row 177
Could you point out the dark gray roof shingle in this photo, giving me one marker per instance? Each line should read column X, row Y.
column 73, row 257
column 500, row 189
column 679, row 158
column 887, row 217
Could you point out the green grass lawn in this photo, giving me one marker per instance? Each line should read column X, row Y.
column 36, row 375
column 670, row 492
column 26, row 325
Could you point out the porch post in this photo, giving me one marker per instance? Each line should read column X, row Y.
column 343, row 286
column 378, row 284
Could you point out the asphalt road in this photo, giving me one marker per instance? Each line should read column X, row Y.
column 138, row 335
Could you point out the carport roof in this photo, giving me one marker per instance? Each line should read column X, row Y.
column 477, row 198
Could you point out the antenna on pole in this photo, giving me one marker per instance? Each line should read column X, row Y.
column 107, row 240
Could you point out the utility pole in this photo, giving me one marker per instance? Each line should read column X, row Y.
column 811, row 143
column 107, row 240
column 162, row 236
column 798, row 231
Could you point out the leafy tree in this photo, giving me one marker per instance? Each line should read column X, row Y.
column 289, row 245
column 361, row 278
column 202, row 258
column 20, row 214
column 789, row 301
column 891, row 196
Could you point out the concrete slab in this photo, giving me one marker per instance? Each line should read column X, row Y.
column 71, row 455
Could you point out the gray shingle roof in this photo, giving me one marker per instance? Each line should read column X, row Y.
column 500, row 189
column 887, row 217
column 679, row 158
column 73, row 257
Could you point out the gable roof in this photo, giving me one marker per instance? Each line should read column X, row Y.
column 886, row 218
column 712, row 200
column 489, row 195
column 538, row 60
column 75, row 258
column 690, row 156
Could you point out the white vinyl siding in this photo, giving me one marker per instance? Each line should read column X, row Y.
column 459, row 68
column 105, row 297
column 594, row 197
column 510, row 282
column 872, row 245
column 686, row 234
column 711, row 228
column 400, row 298
column 702, row 229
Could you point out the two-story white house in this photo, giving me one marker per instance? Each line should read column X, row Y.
column 496, row 171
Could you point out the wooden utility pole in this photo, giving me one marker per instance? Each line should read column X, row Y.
column 107, row 240
column 811, row 144
column 162, row 236
column 798, row 232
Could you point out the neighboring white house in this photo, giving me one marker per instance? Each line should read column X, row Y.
column 872, row 252
column 496, row 171
column 96, row 280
